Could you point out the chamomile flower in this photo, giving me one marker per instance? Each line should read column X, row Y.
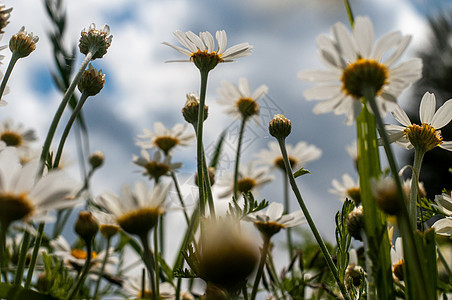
column 132, row 286
column 202, row 52
column 15, row 135
column 273, row 220
column 136, row 212
column 165, row 139
column 250, row 178
column 444, row 203
column 348, row 188
column 354, row 62
column 95, row 40
column 239, row 101
column 427, row 135
column 155, row 167
column 299, row 155
column 397, row 259
column 23, row 43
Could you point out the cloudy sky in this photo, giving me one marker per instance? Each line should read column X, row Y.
column 141, row 89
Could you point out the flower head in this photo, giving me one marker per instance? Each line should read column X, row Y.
column 397, row 259
column 92, row 81
column 96, row 159
column 273, row 220
column 23, row 43
column 239, row 100
column 95, row 40
column 356, row 63
column 279, row 127
column 155, row 167
column 444, row 203
column 165, row 139
column 349, row 188
column 299, row 155
column 16, row 135
column 191, row 109
column 5, row 13
column 201, row 49
column 427, row 135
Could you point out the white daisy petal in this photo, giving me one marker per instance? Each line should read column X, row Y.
column 400, row 115
column 364, row 36
column 427, row 108
column 443, row 115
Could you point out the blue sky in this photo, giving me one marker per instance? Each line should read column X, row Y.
column 141, row 89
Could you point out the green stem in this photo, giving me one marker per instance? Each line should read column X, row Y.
column 348, row 8
column 178, row 286
column 261, row 266
column 60, row 110
column 149, row 262
column 82, row 276
column 156, row 258
column 444, row 262
column 286, row 211
column 320, row 242
column 102, row 268
column 12, row 62
column 237, row 158
column 22, row 258
column 34, row 255
column 179, row 194
column 68, row 127
column 192, row 226
column 412, row 204
column 3, row 268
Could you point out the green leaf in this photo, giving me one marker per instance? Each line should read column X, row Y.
column 12, row 292
column 301, row 172
column 217, row 153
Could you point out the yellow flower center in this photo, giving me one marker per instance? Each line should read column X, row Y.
column 108, row 230
column 14, row 207
column 140, row 221
column 424, row 137
column 279, row 162
column 166, row 143
column 206, row 61
column 11, row 138
column 156, row 170
column 247, row 107
column 147, row 294
column 268, row 228
column 81, row 254
column 355, row 194
column 397, row 269
column 246, row 184
column 363, row 73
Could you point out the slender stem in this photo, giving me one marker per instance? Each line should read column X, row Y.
column 22, row 258
column 286, row 211
column 348, row 8
column 12, row 62
column 60, row 110
column 102, row 268
column 68, row 127
column 156, row 258
column 261, row 266
column 179, row 194
column 412, row 204
column 82, row 276
column 34, row 255
column 143, row 283
column 329, row 260
column 237, row 158
column 178, row 286
column 3, row 231
column 149, row 262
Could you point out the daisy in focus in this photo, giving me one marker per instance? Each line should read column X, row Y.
column 356, row 62
column 426, row 136
column 239, row 101
column 201, row 49
column 444, row 203
column 155, row 167
column 299, row 155
column 165, row 139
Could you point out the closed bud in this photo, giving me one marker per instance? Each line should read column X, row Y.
column 191, row 109
column 86, row 226
column 96, row 159
column 355, row 223
column 92, row 81
column 95, row 40
column 279, row 126
column 5, row 13
column 386, row 195
column 23, row 43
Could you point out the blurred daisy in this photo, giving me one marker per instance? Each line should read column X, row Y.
column 348, row 188
column 201, row 49
column 426, row 136
column 239, row 100
column 397, row 259
column 165, row 139
column 16, row 135
column 354, row 270
column 132, row 286
column 23, row 197
column 155, row 167
column 107, row 223
column 136, row 212
column 249, row 179
column 299, row 155
column 354, row 61
column 444, row 203
column 273, row 220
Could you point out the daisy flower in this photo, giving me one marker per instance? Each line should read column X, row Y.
column 273, row 220
column 354, row 270
column 15, row 135
column 355, row 61
column 108, row 226
column 136, row 212
column 444, row 226
column 132, row 286
column 155, row 167
column 201, row 49
column 427, row 135
column 96, row 40
column 348, row 188
column 165, row 139
column 299, row 155
column 397, row 259
column 23, row 197
column 249, row 179
column 239, row 100
column 22, row 43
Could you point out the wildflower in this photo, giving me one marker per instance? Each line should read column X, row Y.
column 279, row 127
column 165, row 139
column 239, row 100
column 299, row 155
column 272, row 220
column 136, row 212
column 444, row 226
column 426, row 136
column 23, row 43
column 355, row 62
column 96, row 41
column 132, row 286
column 22, row 196
column 354, row 270
column 397, row 259
column 16, row 136
column 5, row 13
column 355, row 223
column 349, row 188
column 96, row 159
column 108, row 226
column 201, row 50
column 249, row 179
column 155, row 167
column 86, row 226
column 92, row 81
column 191, row 109
column 386, row 195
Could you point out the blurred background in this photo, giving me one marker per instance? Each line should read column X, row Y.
column 142, row 89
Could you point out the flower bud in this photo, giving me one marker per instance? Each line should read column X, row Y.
column 386, row 195
column 279, row 126
column 86, row 226
column 92, row 81
column 5, row 13
column 355, row 223
column 108, row 231
column 95, row 40
column 96, row 159
column 191, row 109
column 23, row 43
